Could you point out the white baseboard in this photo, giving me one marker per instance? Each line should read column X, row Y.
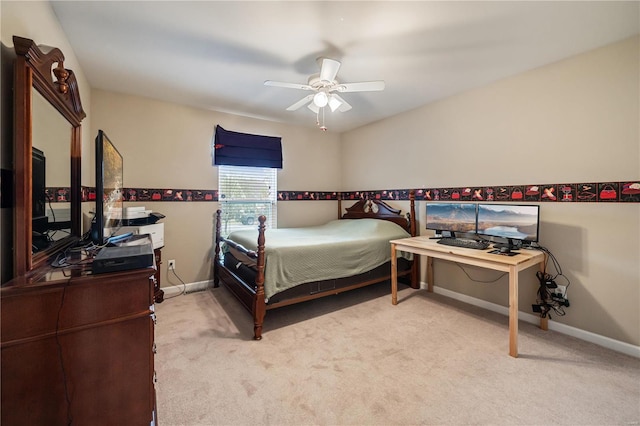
column 175, row 290
column 598, row 339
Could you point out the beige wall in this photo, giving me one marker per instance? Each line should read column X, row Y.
column 36, row 20
column 573, row 121
column 169, row 146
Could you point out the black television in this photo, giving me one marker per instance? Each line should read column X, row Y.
column 109, row 188
column 451, row 219
column 38, row 191
column 512, row 224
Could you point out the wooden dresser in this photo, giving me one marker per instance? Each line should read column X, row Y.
column 78, row 348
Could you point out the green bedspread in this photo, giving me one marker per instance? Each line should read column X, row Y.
column 340, row 248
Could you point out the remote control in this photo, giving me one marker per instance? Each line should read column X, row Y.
column 117, row 238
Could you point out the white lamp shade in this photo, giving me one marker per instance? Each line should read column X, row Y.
column 313, row 107
column 321, row 99
column 334, row 103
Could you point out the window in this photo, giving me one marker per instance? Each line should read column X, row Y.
column 245, row 193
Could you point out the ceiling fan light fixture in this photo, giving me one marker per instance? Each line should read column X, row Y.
column 334, row 103
column 326, row 89
column 320, row 99
column 313, row 107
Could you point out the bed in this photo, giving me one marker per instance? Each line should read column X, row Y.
column 266, row 269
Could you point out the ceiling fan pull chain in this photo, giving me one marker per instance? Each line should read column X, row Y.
column 323, row 127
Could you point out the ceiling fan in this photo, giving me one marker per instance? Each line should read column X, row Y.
column 324, row 87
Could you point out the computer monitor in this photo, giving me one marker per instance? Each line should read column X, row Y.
column 451, row 218
column 513, row 224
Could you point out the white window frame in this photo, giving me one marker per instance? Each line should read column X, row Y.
column 245, row 193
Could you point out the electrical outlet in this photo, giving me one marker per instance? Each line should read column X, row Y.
column 562, row 290
column 172, row 264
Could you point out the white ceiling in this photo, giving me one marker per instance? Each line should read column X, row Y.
column 216, row 55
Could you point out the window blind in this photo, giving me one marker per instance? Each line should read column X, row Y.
column 243, row 149
column 245, row 193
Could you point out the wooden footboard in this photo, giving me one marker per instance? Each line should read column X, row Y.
column 252, row 294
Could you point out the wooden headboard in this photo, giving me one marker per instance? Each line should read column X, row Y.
column 377, row 209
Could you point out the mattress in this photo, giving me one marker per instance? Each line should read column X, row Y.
column 337, row 249
column 248, row 275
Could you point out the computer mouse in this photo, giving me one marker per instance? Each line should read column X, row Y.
column 504, row 249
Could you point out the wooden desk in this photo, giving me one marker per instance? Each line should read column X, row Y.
column 482, row 258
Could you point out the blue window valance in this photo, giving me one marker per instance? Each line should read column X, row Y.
column 243, row 149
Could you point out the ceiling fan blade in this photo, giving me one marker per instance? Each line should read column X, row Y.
column 313, row 107
column 300, row 103
column 288, row 85
column 344, row 107
column 365, row 86
column 329, row 69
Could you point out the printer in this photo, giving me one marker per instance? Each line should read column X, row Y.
column 138, row 221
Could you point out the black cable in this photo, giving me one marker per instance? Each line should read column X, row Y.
column 184, row 286
column 62, row 259
column 479, row 281
column 557, row 267
column 548, row 301
column 53, row 213
column 60, row 357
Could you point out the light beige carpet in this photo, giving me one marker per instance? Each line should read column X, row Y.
column 354, row 359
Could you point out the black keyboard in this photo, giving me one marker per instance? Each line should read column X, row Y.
column 465, row 243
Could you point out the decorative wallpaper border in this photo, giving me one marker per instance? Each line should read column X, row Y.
column 627, row 191
column 60, row 195
column 607, row 192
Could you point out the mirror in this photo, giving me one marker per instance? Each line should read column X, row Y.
column 50, row 134
column 47, row 117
